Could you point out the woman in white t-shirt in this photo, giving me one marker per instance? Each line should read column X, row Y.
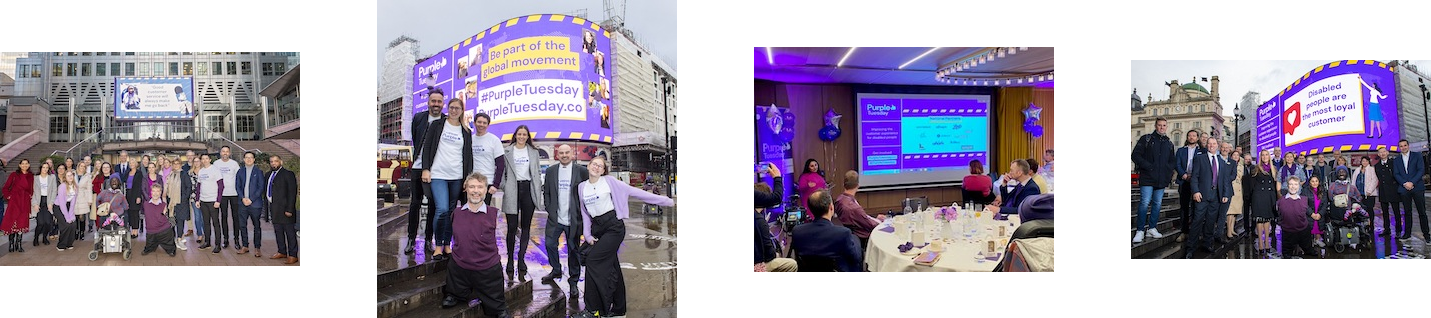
column 604, row 211
column 448, row 157
column 521, row 194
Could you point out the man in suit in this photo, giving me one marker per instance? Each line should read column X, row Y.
column 282, row 195
column 821, row 238
column 421, row 190
column 1019, row 185
column 1154, row 162
column 1185, row 156
column 250, row 191
column 1212, row 187
column 1408, row 169
column 1388, row 195
column 563, row 213
column 123, row 167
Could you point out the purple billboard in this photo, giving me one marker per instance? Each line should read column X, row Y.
column 1343, row 105
column 550, row 72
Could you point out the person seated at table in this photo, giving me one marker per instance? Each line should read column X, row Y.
column 823, row 239
column 977, row 186
column 766, row 259
column 1037, row 176
column 1020, row 186
column 851, row 214
column 1037, row 207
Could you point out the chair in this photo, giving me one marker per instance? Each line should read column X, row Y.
column 1031, row 241
column 815, row 263
column 978, row 198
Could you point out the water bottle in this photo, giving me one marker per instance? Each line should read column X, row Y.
column 906, row 209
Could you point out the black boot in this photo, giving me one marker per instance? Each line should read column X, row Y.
column 35, row 240
column 19, row 246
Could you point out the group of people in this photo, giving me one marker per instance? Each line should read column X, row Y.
column 158, row 196
column 838, row 229
column 462, row 166
column 1294, row 192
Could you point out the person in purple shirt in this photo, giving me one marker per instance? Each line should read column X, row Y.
column 156, row 222
column 1293, row 212
column 812, row 179
column 604, row 211
column 476, row 272
column 65, row 211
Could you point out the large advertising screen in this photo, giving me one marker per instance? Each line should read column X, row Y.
column 154, row 98
column 550, row 72
column 1343, row 105
column 911, row 138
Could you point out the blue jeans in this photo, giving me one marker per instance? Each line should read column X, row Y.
column 444, row 193
column 1151, row 219
column 246, row 214
column 198, row 218
column 553, row 239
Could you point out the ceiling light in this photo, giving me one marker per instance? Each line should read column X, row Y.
column 916, row 58
column 847, row 56
column 768, row 57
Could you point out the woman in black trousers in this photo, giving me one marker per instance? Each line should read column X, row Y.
column 47, row 188
column 521, row 194
column 604, row 211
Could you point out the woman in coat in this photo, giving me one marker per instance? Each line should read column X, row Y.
column 177, row 203
column 521, row 194
column 1319, row 201
column 19, row 186
column 84, row 199
column 47, row 188
column 1265, row 189
column 1234, row 205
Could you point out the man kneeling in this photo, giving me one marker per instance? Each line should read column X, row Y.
column 156, row 223
column 477, row 273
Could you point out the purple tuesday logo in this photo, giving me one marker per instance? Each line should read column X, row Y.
column 881, row 110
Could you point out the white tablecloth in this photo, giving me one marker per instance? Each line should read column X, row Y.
column 882, row 254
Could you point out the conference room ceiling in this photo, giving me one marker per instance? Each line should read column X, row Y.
column 881, row 65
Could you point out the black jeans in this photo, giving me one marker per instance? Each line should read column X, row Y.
column 229, row 207
column 519, row 232
column 1185, row 196
column 605, row 286
column 164, row 239
column 420, row 191
column 1395, row 214
column 1417, row 199
column 485, row 285
column 44, row 221
column 1294, row 240
column 211, row 216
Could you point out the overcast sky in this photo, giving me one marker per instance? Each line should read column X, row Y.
column 1235, row 77
column 437, row 24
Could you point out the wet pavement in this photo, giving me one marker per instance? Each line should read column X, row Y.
column 647, row 256
column 47, row 255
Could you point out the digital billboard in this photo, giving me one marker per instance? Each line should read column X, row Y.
column 154, row 98
column 1343, row 105
column 550, row 72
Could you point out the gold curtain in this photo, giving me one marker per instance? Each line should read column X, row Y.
column 1013, row 142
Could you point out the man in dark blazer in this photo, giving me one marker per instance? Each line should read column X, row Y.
column 823, row 239
column 1211, row 184
column 1189, row 150
column 1408, row 169
column 122, row 167
column 282, row 195
column 421, row 190
column 250, row 193
column 563, row 213
column 1388, row 195
column 1018, row 185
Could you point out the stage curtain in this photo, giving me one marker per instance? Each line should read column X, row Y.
column 1012, row 141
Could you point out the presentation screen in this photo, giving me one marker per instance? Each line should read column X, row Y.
column 154, row 98
column 910, row 139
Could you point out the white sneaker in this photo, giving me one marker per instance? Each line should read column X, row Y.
column 1154, row 233
column 1138, row 238
column 181, row 244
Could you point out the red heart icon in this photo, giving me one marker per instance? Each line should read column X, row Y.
column 1290, row 125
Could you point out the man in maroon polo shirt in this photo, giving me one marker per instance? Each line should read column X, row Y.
column 476, row 272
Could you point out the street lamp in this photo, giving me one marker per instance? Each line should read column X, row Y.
column 667, row 124
column 1424, row 96
column 1237, row 125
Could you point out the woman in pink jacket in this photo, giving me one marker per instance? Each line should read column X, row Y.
column 812, row 179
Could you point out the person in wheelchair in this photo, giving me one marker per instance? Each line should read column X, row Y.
column 1344, row 218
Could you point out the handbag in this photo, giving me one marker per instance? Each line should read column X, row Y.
column 1340, row 200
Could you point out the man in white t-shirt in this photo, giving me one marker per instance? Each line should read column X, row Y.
column 486, row 148
column 227, row 168
column 211, row 185
column 563, row 213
